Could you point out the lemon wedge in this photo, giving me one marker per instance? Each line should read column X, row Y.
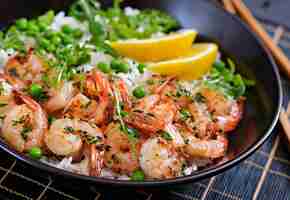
column 192, row 65
column 156, row 49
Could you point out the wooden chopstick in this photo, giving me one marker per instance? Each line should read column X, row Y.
column 229, row 6
column 284, row 120
column 245, row 13
column 272, row 45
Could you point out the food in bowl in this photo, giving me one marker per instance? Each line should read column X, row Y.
column 117, row 93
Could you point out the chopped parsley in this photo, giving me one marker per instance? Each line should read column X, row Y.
column 25, row 131
column 2, row 104
column 184, row 114
column 51, row 119
column 69, row 129
column 91, row 139
column 199, row 98
column 166, row 136
column 21, row 120
column 2, row 117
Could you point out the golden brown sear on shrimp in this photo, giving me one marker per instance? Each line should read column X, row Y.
column 101, row 125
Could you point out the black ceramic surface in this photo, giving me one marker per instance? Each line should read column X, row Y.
column 263, row 101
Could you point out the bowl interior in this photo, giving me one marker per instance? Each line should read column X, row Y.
column 263, row 100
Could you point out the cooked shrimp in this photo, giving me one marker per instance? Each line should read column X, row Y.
column 227, row 113
column 95, row 156
column 146, row 103
column 12, row 81
column 6, row 96
column 159, row 159
column 124, row 95
column 147, row 123
column 25, row 125
column 81, row 107
column 154, row 117
column 60, row 97
column 212, row 148
column 29, row 68
column 97, row 87
column 64, row 137
column 121, row 154
column 202, row 124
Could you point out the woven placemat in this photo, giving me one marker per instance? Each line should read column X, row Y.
column 265, row 175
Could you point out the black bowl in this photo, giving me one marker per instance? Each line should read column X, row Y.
column 263, row 100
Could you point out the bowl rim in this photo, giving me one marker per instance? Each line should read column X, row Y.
column 206, row 173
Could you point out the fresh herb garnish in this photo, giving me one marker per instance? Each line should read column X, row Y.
column 51, row 119
column 166, row 135
column 69, row 129
column 24, row 132
column 225, row 80
column 21, row 120
column 184, row 114
column 199, row 98
column 2, row 104
column 114, row 23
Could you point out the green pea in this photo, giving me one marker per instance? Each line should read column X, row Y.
column 67, row 29
column 32, row 27
column 77, row 33
column 56, row 40
column 22, row 24
column 104, row 67
column 139, row 92
column 119, row 66
column 67, row 39
column 44, row 43
column 50, row 34
column 35, row 153
column 42, row 26
column 51, row 48
column 138, row 175
column 35, row 90
column 141, row 68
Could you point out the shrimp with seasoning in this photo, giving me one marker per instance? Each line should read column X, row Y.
column 159, row 159
column 72, row 137
column 94, row 103
column 27, row 69
column 226, row 112
column 121, row 154
column 25, row 125
column 6, row 96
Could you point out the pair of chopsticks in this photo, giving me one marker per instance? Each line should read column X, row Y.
column 238, row 7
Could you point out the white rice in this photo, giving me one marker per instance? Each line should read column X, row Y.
column 129, row 11
column 60, row 19
column 3, row 57
column 82, row 168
